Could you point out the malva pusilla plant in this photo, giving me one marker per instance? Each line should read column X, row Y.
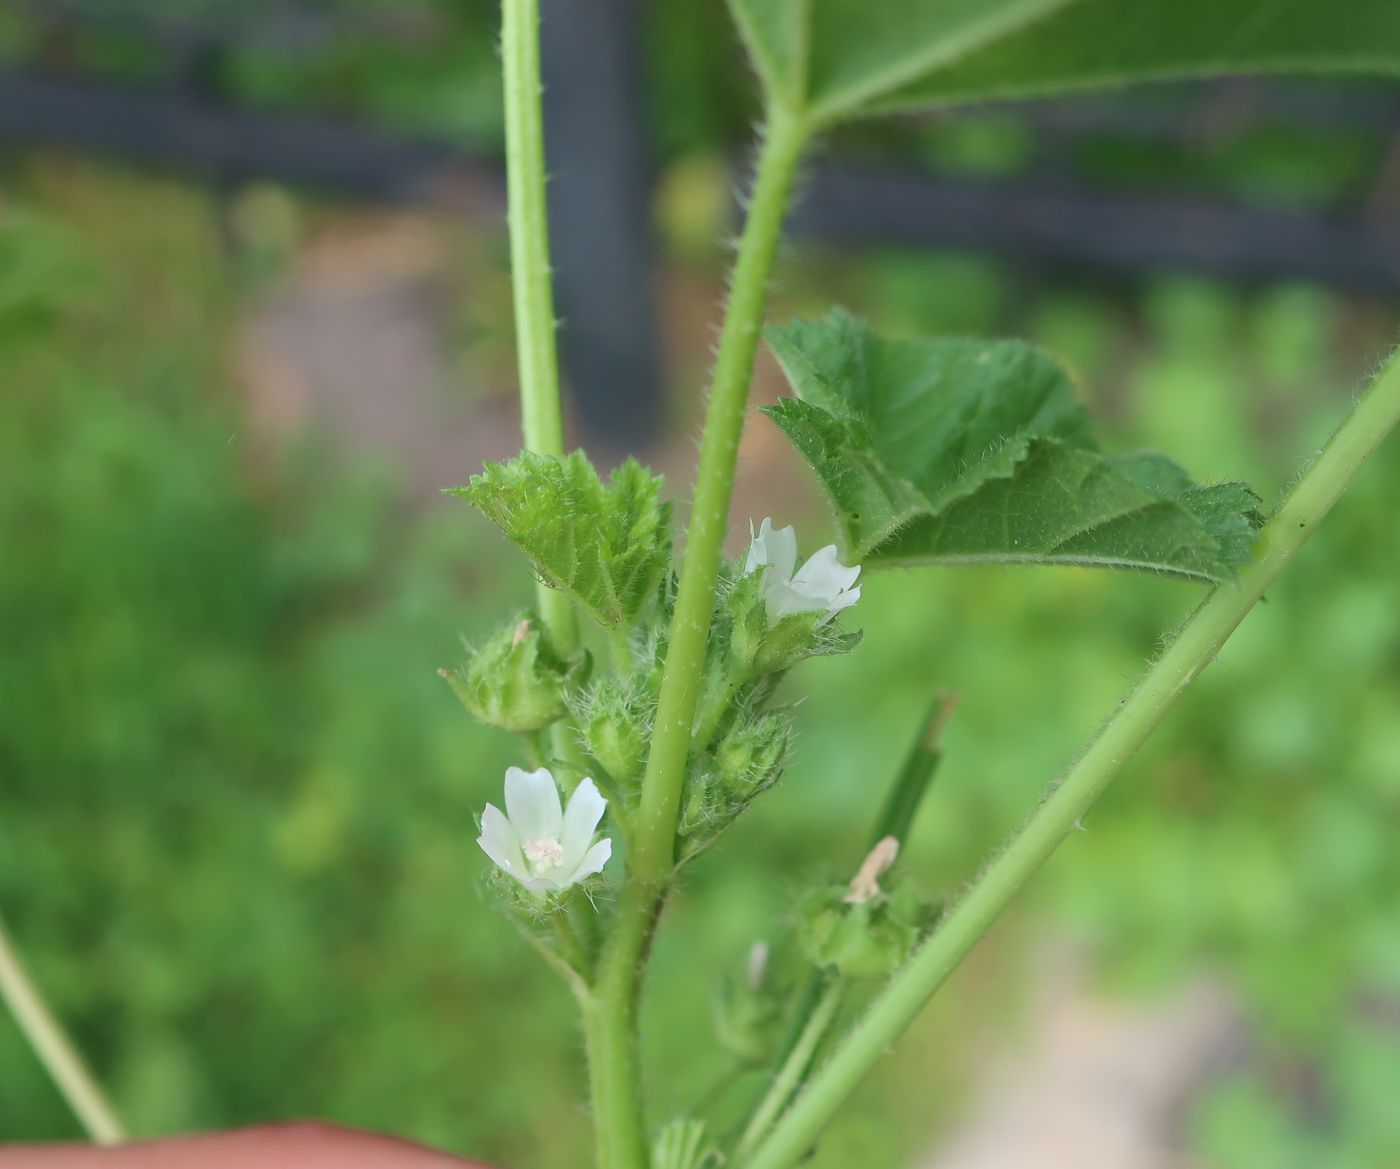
column 647, row 697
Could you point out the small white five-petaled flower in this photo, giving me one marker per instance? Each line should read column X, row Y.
column 821, row 585
column 542, row 845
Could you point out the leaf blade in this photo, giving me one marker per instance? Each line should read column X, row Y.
column 841, row 59
column 1096, row 44
column 958, row 451
column 607, row 546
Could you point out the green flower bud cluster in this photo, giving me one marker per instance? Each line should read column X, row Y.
column 862, row 938
column 738, row 747
column 762, row 645
column 516, row 681
column 726, row 779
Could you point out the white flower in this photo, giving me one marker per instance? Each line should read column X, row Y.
column 543, row 846
column 822, row 585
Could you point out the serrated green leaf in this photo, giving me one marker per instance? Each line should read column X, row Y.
column 849, row 58
column 959, row 451
column 607, row 546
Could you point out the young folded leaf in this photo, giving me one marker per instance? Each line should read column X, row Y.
column 607, row 546
column 961, row 451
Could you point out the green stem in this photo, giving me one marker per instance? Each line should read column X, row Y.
column 541, row 416
column 1194, row 647
column 536, row 754
column 784, row 139
column 610, row 1014
column 790, row 1075
column 920, row 765
column 55, row 1050
column 610, row 1031
column 541, row 419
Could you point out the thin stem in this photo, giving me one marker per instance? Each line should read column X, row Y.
column 1194, row 647
column 785, row 137
column 527, row 211
column 541, row 419
column 536, row 754
column 920, row 765
column 55, row 1050
column 793, row 1070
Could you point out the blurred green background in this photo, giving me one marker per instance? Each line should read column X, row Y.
column 236, row 803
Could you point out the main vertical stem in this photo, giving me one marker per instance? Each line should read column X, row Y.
column 784, row 139
column 610, row 1030
column 541, row 419
column 610, row 1012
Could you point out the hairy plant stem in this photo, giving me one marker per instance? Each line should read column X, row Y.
column 610, row 1012
column 784, row 138
column 1193, row 648
column 790, row 1075
column 541, row 419
column 54, row 1049
column 609, row 1009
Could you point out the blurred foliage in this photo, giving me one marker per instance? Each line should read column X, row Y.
column 430, row 68
column 236, row 803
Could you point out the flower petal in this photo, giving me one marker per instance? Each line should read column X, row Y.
column 783, row 600
column 586, row 808
column 843, row 601
column 781, row 548
column 824, row 575
column 758, row 551
column 532, row 800
column 499, row 842
column 593, row 861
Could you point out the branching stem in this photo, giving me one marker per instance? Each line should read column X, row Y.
column 1194, row 647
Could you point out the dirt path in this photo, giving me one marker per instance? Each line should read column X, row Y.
column 1094, row 1084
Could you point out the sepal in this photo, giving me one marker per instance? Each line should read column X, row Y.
column 614, row 721
column 516, row 681
column 866, row 939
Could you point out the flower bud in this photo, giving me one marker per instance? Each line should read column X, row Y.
column 514, row 681
column 864, row 939
column 765, row 643
column 751, row 756
column 613, row 724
